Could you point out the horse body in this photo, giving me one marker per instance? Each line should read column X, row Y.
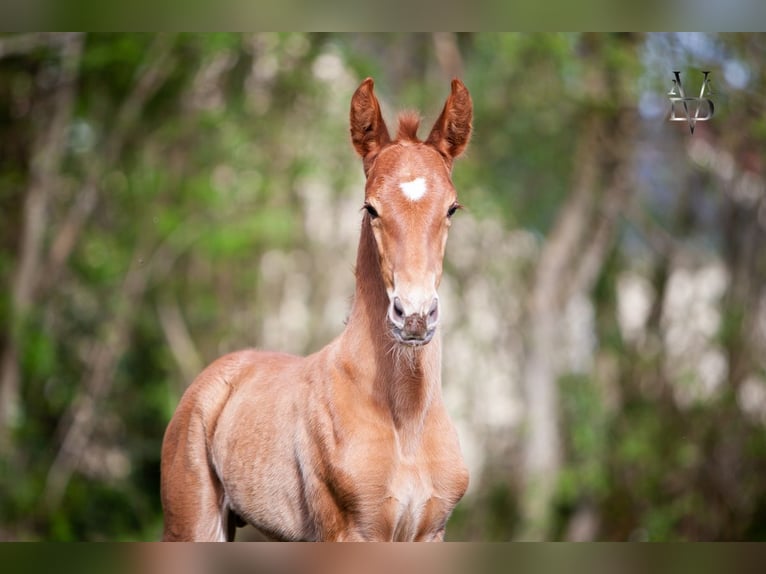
column 352, row 442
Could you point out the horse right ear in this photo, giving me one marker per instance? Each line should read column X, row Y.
column 368, row 130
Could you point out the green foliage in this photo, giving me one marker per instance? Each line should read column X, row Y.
column 584, row 414
column 491, row 516
column 527, row 107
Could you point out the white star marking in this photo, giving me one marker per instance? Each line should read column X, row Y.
column 415, row 189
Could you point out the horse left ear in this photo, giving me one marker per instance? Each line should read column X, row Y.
column 452, row 129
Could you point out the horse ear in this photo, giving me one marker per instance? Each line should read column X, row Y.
column 368, row 130
column 452, row 129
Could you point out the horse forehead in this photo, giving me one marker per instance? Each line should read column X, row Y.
column 411, row 175
column 417, row 160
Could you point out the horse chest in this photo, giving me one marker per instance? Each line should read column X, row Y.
column 404, row 496
column 411, row 504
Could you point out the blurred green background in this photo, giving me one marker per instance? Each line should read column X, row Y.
column 165, row 199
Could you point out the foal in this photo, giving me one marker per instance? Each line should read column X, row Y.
column 352, row 442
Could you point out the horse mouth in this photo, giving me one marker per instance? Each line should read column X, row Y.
column 409, row 339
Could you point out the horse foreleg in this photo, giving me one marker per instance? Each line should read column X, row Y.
column 192, row 494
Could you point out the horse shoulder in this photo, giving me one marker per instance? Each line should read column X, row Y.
column 444, row 457
column 262, row 396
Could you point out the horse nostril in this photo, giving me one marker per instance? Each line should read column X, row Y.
column 398, row 308
column 433, row 313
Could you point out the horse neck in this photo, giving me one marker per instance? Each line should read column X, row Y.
column 404, row 379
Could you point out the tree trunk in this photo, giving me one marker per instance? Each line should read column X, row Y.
column 571, row 261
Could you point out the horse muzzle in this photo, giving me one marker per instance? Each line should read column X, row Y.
column 414, row 328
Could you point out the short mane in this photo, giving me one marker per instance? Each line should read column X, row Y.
column 408, row 127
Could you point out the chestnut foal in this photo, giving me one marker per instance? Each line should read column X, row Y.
column 353, row 442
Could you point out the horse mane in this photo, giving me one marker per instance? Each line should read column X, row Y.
column 408, row 127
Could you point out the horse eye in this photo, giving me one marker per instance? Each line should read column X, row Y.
column 371, row 210
column 453, row 208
